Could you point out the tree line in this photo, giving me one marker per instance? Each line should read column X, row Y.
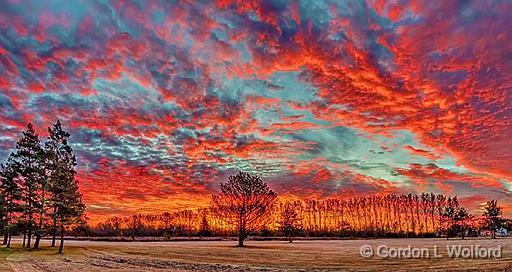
column 246, row 205
column 39, row 194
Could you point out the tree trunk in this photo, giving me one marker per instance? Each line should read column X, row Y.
column 24, row 237
column 240, row 240
column 29, row 235
column 40, row 227
column 9, row 229
column 6, row 237
column 463, row 230
column 54, row 228
column 61, row 246
column 9, row 240
column 241, row 231
column 38, row 238
column 54, row 234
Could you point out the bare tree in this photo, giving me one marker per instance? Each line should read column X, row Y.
column 204, row 229
column 290, row 220
column 244, row 201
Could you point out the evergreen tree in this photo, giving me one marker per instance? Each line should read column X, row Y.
column 11, row 195
column 461, row 217
column 493, row 219
column 66, row 201
column 449, row 215
column 70, row 208
column 29, row 156
column 46, row 156
column 3, row 210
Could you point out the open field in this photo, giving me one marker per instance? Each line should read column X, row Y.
column 333, row 255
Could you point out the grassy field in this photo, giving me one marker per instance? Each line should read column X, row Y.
column 334, row 255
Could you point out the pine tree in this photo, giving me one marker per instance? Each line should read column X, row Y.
column 3, row 210
column 29, row 155
column 11, row 195
column 461, row 216
column 66, row 201
column 46, row 156
column 493, row 219
column 70, row 208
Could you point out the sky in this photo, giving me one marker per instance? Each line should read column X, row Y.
column 165, row 99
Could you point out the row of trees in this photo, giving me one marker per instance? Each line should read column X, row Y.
column 39, row 196
column 38, row 191
column 246, row 205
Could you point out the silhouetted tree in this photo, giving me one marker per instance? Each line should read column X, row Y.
column 492, row 215
column 166, row 219
column 204, row 229
column 461, row 217
column 66, row 201
column 29, row 155
column 45, row 167
column 378, row 215
column 244, row 201
column 3, row 212
column 60, row 163
column 136, row 225
column 11, row 195
column 34, row 176
column 69, row 206
column 290, row 220
column 449, row 215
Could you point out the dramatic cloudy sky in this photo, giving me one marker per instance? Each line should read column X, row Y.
column 321, row 98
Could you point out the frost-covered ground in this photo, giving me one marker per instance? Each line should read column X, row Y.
column 333, row 255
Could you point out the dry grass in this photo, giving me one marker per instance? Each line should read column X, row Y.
column 337, row 255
